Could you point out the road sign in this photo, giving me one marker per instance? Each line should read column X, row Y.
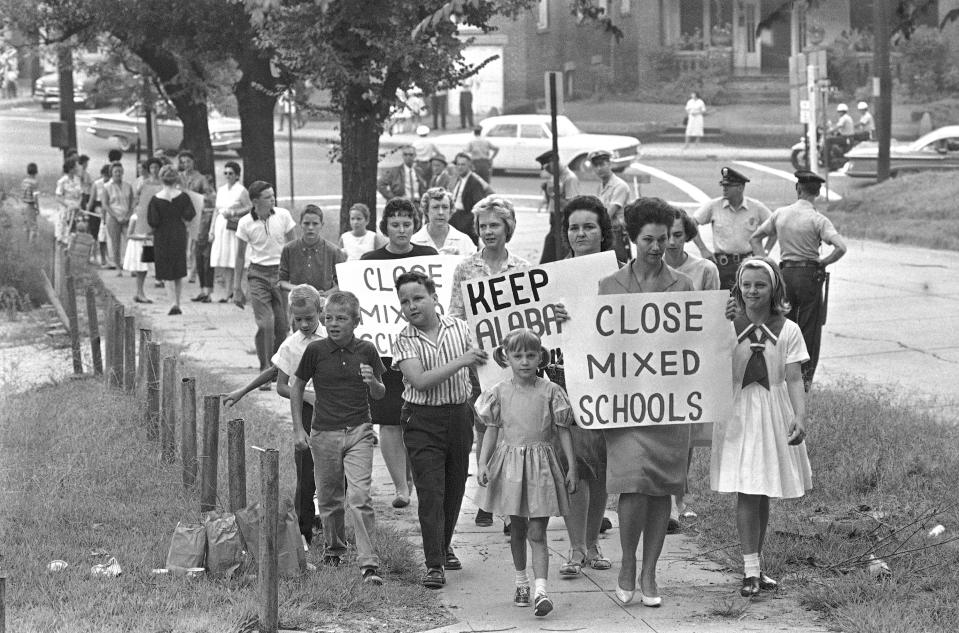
column 804, row 111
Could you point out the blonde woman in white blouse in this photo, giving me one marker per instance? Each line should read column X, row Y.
column 232, row 202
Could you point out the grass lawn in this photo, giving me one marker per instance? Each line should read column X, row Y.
column 917, row 209
column 78, row 481
column 884, row 476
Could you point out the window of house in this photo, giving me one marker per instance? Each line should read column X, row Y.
column 542, row 21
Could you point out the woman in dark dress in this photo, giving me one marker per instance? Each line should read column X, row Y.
column 400, row 221
column 168, row 212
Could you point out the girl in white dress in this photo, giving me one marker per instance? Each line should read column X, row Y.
column 759, row 453
column 523, row 477
column 359, row 239
column 232, row 202
column 695, row 110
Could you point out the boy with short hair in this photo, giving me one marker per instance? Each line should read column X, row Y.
column 31, row 206
column 346, row 372
column 434, row 353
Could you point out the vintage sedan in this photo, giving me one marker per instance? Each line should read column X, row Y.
column 129, row 126
column 936, row 151
column 522, row 137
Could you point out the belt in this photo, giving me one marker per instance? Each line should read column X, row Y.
column 265, row 267
column 724, row 259
column 436, row 406
column 800, row 263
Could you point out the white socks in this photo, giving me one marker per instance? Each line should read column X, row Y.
column 751, row 565
column 540, row 584
column 522, row 579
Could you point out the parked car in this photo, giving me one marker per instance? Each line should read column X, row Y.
column 938, row 150
column 129, row 126
column 522, row 137
column 86, row 91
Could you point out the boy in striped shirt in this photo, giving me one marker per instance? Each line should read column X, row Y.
column 434, row 353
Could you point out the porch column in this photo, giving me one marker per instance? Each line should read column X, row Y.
column 707, row 24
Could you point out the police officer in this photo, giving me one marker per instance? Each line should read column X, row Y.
column 734, row 218
column 568, row 189
column 614, row 193
column 801, row 230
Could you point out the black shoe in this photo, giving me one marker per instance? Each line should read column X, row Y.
column 202, row 297
column 434, row 578
column 605, row 525
column 331, row 561
column 484, row 518
column 542, row 605
column 750, row 587
column 672, row 527
column 452, row 562
column 505, row 528
column 308, row 537
column 766, row 583
column 174, row 311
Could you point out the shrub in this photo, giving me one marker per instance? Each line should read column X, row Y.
column 20, row 262
column 925, row 72
column 673, row 85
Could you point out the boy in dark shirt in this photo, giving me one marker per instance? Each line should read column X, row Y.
column 346, row 372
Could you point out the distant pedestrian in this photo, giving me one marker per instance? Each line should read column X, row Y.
column 695, row 112
column 119, row 204
column 29, row 196
column 614, row 193
column 760, row 453
column 232, row 203
column 287, row 108
column 69, row 191
column 482, row 151
column 468, row 189
column 202, row 248
column 169, row 211
column 568, row 189
column 440, row 173
column 470, row 85
column 193, row 180
column 425, row 149
column 439, row 103
column 310, row 259
column 801, row 230
column 95, row 220
column 436, row 231
column 359, row 239
column 522, row 476
column 866, row 126
column 404, row 180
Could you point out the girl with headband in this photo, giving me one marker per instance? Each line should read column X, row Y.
column 760, row 453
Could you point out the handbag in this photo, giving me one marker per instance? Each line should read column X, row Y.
column 232, row 223
column 147, row 256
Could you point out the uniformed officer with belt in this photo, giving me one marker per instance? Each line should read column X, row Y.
column 801, row 230
column 734, row 218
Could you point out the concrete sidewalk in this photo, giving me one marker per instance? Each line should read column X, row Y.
column 480, row 596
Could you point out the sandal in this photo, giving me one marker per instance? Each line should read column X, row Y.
column 600, row 562
column 571, row 567
column 434, row 578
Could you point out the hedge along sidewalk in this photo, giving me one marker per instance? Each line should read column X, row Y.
column 220, row 336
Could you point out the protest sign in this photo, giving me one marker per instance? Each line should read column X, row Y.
column 371, row 280
column 527, row 298
column 649, row 359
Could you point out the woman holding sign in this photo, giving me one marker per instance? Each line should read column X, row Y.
column 645, row 465
column 495, row 223
column 588, row 231
column 400, row 221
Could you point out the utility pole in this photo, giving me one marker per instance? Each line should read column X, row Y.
column 880, row 64
column 68, row 112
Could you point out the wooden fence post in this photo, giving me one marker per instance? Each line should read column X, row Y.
column 93, row 323
column 210, row 454
column 108, row 339
column 3, row 602
column 188, row 430
column 116, row 333
column 269, row 493
column 71, row 292
column 168, row 398
column 129, row 353
column 146, row 335
column 236, row 443
column 153, row 390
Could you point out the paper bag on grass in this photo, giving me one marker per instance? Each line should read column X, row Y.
column 187, row 547
column 291, row 559
column 224, row 545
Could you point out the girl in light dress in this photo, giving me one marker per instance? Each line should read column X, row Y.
column 521, row 473
column 760, row 453
column 359, row 239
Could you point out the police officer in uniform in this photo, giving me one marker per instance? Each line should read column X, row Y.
column 568, row 189
column 801, row 230
column 734, row 219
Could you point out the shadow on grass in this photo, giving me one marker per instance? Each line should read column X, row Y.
column 79, row 480
column 885, row 474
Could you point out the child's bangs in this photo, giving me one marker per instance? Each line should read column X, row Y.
column 522, row 340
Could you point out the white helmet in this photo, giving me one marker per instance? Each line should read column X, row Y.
column 862, row 105
column 842, row 107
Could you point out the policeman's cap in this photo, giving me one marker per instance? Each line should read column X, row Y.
column 546, row 158
column 731, row 177
column 600, row 155
column 808, row 177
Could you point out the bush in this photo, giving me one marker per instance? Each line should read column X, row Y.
column 20, row 262
column 925, row 71
column 673, row 85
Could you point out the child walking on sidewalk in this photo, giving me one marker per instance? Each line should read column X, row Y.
column 523, row 477
column 759, row 453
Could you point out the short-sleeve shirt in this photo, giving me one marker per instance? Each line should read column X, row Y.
column 290, row 353
column 265, row 237
column 452, row 342
column 342, row 398
column 800, row 229
column 28, row 191
column 456, row 243
column 702, row 272
column 732, row 228
column 479, row 149
column 614, row 192
column 418, row 250
column 475, row 267
column 301, row 263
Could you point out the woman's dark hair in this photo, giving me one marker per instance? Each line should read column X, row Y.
column 690, row 226
column 257, row 187
column 69, row 164
column 153, row 160
column 643, row 211
column 114, row 155
column 106, row 169
column 397, row 207
column 594, row 204
column 235, row 166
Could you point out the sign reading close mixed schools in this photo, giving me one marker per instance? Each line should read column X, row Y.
column 648, row 359
column 372, row 283
column 527, row 298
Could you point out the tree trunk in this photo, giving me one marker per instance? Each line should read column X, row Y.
column 360, row 146
column 255, row 99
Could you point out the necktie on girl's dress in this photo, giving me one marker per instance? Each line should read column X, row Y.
column 756, row 370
